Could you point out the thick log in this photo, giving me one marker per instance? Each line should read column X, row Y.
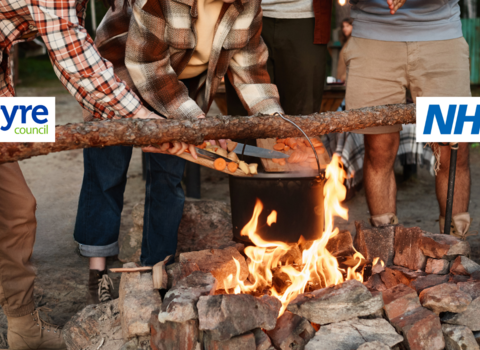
column 138, row 132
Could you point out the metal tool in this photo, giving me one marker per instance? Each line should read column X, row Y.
column 451, row 187
column 259, row 152
column 210, row 155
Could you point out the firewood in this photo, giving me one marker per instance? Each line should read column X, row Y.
column 131, row 269
column 144, row 132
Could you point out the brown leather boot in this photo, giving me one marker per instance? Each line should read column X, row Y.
column 31, row 332
column 100, row 287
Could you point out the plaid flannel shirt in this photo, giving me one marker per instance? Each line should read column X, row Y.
column 75, row 59
column 157, row 45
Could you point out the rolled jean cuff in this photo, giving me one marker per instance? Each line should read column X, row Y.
column 20, row 311
column 98, row 251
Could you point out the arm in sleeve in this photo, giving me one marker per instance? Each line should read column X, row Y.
column 77, row 63
column 147, row 59
column 248, row 74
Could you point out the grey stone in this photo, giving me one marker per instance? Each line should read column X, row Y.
column 229, row 315
column 445, row 297
column 374, row 345
column 398, row 300
column 407, row 248
column 262, row 340
column 470, row 317
column 291, row 332
column 472, row 288
column 334, row 304
column 440, row 246
column 180, row 302
column 353, row 333
column 87, row 328
column 241, row 342
column 437, row 266
column 137, row 300
column 375, row 242
column 421, row 329
column 464, row 266
column 459, row 338
column 220, row 263
column 178, row 271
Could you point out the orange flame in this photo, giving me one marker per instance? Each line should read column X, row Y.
column 318, row 266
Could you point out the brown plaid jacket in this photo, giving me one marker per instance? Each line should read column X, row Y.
column 76, row 61
column 160, row 41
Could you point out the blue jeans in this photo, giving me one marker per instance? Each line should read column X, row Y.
column 101, row 203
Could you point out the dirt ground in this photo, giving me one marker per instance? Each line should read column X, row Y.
column 56, row 180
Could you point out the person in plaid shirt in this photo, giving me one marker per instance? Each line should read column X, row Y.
column 91, row 80
column 174, row 53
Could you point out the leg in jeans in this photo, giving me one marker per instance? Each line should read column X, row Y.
column 17, row 236
column 164, row 201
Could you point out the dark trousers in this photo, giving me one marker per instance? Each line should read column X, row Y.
column 101, row 203
column 295, row 65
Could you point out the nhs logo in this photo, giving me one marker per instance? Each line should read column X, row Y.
column 448, row 119
column 27, row 119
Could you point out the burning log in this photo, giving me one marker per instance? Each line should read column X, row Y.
column 138, row 132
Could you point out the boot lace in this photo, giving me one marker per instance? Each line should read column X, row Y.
column 105, row 286
column 44, row 325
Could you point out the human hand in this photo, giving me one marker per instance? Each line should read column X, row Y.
column 221, row 142
column 144, row 113
column 174, row 148
column 394, row 5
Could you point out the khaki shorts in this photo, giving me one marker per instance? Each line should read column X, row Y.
column 379, row 72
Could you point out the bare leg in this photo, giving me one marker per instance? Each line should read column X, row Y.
column 379, row 176
column 461, row 194
column 98, row 263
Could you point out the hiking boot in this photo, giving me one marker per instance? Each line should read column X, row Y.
column 459, row 226
column 100, row 287
column 383, row 220
column 31, row 332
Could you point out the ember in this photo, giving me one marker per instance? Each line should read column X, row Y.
column 317, row 269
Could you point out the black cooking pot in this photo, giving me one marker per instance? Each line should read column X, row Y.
column 297, row 199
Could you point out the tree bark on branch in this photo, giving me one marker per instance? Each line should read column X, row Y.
column 139, row 132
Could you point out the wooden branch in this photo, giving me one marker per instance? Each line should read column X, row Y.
column 130, row 269
column 138, row 132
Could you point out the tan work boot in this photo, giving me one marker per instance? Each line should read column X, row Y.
column 31, row 332
column 459, row 226
column 383, row 220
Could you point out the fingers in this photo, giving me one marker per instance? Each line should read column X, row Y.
column 193, row 151
column 178, row 148
column 151, row 149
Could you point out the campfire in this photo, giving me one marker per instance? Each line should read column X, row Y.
column 305, row 266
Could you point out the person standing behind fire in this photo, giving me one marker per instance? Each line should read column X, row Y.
column 346, row 34
column 166, row 51
column 91, row 80
column 296, row 33
column 398, row 45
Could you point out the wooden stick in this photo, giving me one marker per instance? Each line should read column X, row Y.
column 144, row 132
column 131, row 269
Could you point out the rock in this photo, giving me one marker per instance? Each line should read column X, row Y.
column 458, row 278
column 229, row 315
column 338, row 303
column 459, row 338
column 440, row 246
column 421, row 329
column 445, row 297
column 241, row 342
column 399, row 300
column 467, row 318
column 437, row 266
column 464, row 266
column 374, row 345
column 391, row 278
column 375, row 242
column 180, row 302
column 375, row 283
column 262, row 340
column 173, row 335
column 137, row 300
column 409, row 274
column 407, row 248
column 472, row 288
column 220, row 263
column 291, row 332
column 424, row 282
column 475, row 276
column 178, row 271
column 353, row 333
column 86, row 329
column 206, row 224
column 477, row 336
column 341, row 244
